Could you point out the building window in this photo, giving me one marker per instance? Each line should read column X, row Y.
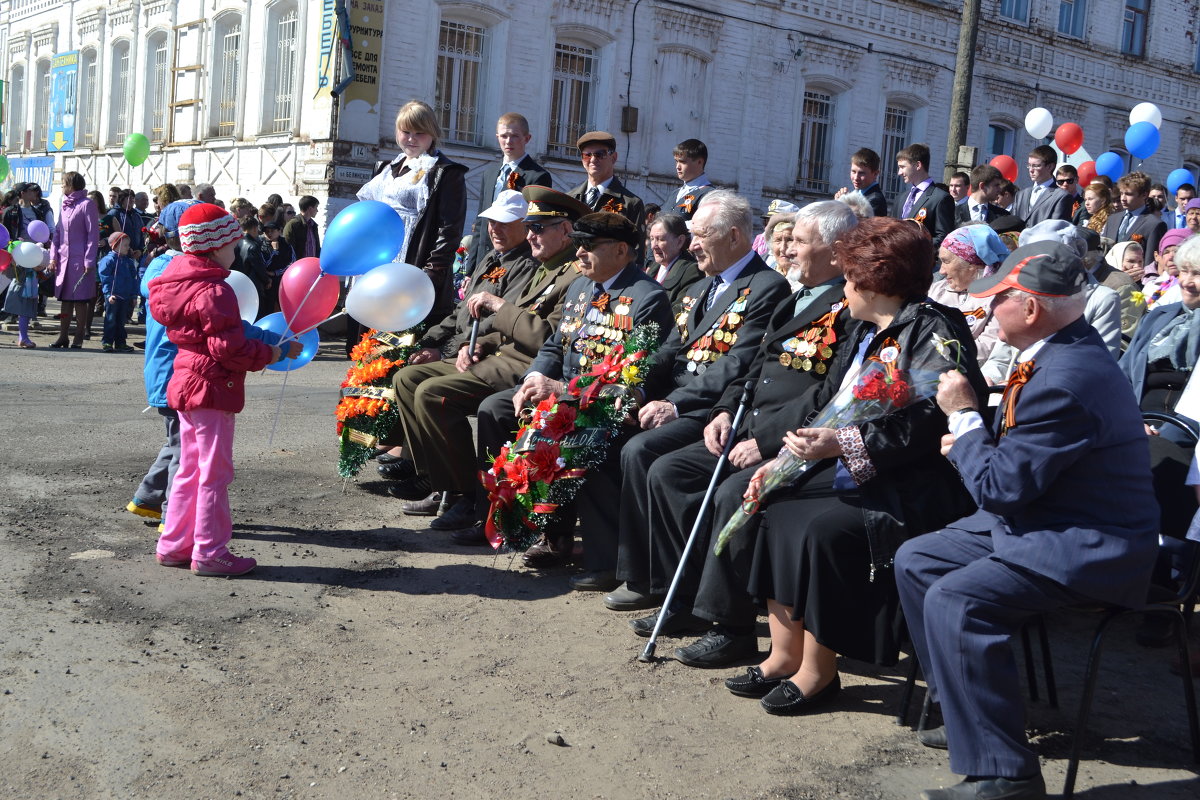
column 283, row 113
column 229, row 59
column 1015, row 10
column 459, row 73
column 41, row 109
column 122, row 88
column 1000, row 140
column 16, row 109
column 571, row 96
column 816, row 129
column 157, row 74
column 1133, row 31
column 897, row 124
column 88, row 108
column 1071, row 16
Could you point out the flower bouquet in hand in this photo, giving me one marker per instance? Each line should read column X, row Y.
column 367, row 408
column 877, row 388
column 543, row 469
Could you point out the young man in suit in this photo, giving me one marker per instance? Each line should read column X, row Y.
column 1044, row 200
column 515, row 171
column 985, row 182
column 1136, row 223
column 959, row 187
column 673, row 264
column 1178, row 217
column 864, row 178
column 926, row 202
column 1049, row 532
column 691, row 159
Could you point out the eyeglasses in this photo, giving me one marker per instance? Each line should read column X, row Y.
column 538, row 228
column 1064, row 181
column 597, row 154
column 589, row 245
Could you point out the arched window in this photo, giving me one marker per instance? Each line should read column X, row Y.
column 816, row 135
column 121, row 94
column 41, row 109
column 461, row 60
column 227, row 74
column 897, row 134
column 572, row 92
column 89, row 109
column 1001, row 140
column 283, row 27
column 158, row 74
column 16, row 108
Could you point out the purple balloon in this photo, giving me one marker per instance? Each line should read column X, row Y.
column 4, row 240
column 38, row 231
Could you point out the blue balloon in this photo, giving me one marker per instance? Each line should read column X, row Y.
column 1110, row 164
column 1179, row 177
column 309, row 341
column 363, row 235
column 1142, row 139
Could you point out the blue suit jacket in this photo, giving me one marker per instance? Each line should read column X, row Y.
column 1066, row 492
column 1133, row 360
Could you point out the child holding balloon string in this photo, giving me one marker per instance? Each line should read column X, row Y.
column 200, row 313
column 22, row 268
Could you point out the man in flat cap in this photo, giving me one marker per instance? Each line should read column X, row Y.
column 1050, row 532
column 603, row 191
column 611, row 297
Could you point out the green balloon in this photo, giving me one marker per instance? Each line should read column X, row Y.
column 3, row 166
column 137, row 148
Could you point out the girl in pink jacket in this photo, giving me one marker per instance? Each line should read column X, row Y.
column 200, row 313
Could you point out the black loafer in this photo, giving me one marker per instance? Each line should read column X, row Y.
column 595, row 581
column 471, row 537
column 411, row 489
column 458, row 516
column 676, row 624
column 718, row 648
column 425, row 507
column 934, row 737
column 752, row 684
column 401, row 470
column 991, row 789
column 631, row 598
column 384, row 457
column 786, row 699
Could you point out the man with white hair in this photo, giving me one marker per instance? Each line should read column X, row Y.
column 205, row 193
column 1050, row 531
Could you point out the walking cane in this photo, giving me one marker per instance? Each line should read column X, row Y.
column 474, row 337
column 648, row 654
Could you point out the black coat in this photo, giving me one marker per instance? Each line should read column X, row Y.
column 439, row 229
column 877, row 199
column 934, row 208
column 682, row 274
column 527, row 173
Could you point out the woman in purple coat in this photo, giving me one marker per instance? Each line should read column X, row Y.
column 73, row 258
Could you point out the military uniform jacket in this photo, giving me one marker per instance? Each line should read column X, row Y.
column 523, row 324
column 707, row 351
column 504, row 276
column 785, row 375
column 585, row 334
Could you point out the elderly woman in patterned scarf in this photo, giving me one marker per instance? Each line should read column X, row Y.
column 968, row 253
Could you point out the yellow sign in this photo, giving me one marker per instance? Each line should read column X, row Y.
column 366, row 37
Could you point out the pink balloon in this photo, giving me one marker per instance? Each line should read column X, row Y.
column 306, row 295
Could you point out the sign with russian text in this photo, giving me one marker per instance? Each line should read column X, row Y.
column 325, row 53
column 64, row 80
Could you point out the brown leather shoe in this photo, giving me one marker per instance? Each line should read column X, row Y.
column 425, row 507
column 549, row 552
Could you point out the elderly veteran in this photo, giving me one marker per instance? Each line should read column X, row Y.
column 1050, row 531
column 612, row 296
column 966, row 254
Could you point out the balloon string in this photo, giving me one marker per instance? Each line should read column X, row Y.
column 293, row 336
column 278, row 407
column 308, row 294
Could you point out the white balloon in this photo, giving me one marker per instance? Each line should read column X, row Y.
column 1146, row 112
column 1039, row 123
column 390, row 297
column 28, row 255
column 247, row 295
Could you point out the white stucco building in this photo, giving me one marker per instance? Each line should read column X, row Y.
column 237, row 92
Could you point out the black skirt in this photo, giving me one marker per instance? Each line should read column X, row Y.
column 813, row 556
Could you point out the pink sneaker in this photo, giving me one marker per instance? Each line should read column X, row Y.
column 226, row 566
column 173, row 559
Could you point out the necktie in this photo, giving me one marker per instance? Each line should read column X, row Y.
column 502, row 180
column 910, row 202
column 980, row 213
column 712, row 293
column 1180, row 222
column 1037, row 195
column 1126, row 224
column 593, row 194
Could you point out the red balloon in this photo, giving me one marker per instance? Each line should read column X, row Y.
column 1007, row 167
column 5, row 258
column 1087, row 173
column 307, row 296
column 1068, row 137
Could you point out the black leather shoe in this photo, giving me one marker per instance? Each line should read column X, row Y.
column 991, row 789
column 470, row 536
column 718, row 648
column 631, row 598
column 934, row 737
column 752, row 684
column 425, row 507
column 458, row 516
column 401, row 470
column 676, row 624
column 786, row 699
column 595, row 581
column 412, row 489
column 384, row 457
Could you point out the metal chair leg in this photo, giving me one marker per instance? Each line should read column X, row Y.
column 1047, row 664
column 1030, row 674
column 1189, row 690
column 910, row 685
column 1085, row 703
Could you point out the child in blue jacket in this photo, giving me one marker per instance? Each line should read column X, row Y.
column 119, row 286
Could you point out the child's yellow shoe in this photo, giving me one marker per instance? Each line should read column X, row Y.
column 143, row 509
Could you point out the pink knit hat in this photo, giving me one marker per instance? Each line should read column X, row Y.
column 205, row 227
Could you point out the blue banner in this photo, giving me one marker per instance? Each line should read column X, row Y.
column 64, row 80
column 39, row 170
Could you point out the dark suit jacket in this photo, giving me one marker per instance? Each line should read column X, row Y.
column 528, row 173
column 558, row 358
column 683, row 274
column 962, row 213
column 616, row 196
column 687, row 208
column 1053, row 204
column 1149, row 227
column 877, row 199
column 938, row 218
column 1045, row 486
column 694, row 393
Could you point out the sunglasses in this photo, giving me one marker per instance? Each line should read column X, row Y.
column 597, row 154
column 1064, row 181
column 589, row 245
column 540, row 227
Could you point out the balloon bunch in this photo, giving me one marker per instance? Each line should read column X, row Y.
column 1142, row 139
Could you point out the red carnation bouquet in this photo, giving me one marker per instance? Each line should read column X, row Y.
column 542, row 470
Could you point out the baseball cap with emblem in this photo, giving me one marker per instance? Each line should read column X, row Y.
column 547, row 204
column 509, row 206
column 1044, row 268
column 780, row 207
column 606, row 225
